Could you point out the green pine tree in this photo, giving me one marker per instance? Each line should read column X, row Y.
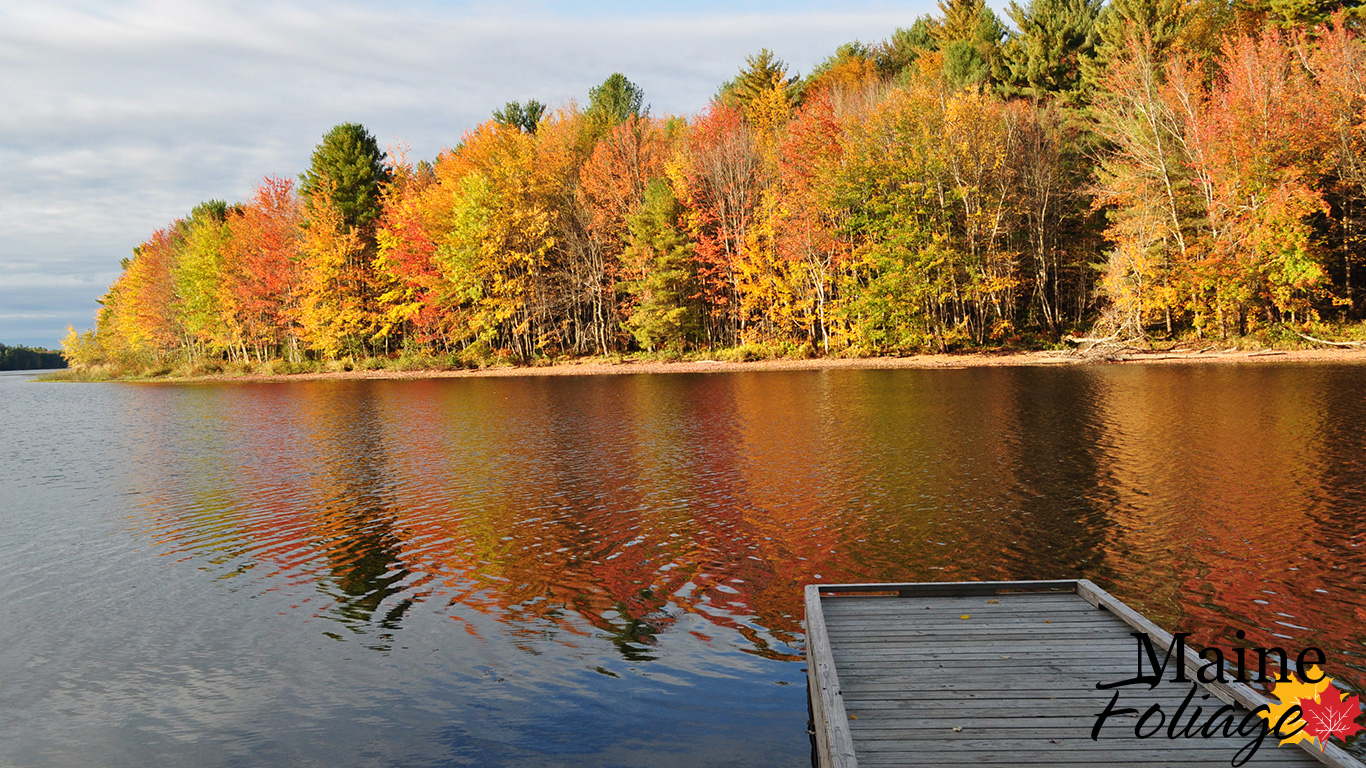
column 616, row 100
column 758, row 76
column 665, row 315
column 348, row 166
column 524, row 117
column 970, row 36
column 1155, row 24
column 904, row 47
column 1044, row 58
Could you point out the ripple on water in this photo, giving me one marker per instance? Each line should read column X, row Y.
column 585, row 541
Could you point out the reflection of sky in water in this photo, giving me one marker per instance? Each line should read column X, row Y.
column 607, row 570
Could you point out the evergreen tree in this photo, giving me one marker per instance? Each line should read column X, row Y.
column 616, row 100
column 23, row 358
column 348, row 168
column 760, row 73
column 1156, row 24
column 1289, row 14
column 970, row 35
column 661, row 256
column 959, row 21
column 904, row 47
column 524, row 117
column 1044, row 58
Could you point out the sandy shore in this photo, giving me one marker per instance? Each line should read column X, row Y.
column 972, row 360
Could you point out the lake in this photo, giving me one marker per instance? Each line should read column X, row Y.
column 607, row 570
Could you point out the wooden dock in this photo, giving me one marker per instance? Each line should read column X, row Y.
column 1004, row 674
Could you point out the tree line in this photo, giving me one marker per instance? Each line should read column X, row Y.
column 1150, row 168
column 22, row 358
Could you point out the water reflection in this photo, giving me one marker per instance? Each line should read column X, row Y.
column 1215, row 498
column 357, row 518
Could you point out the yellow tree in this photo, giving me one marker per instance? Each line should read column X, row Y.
column 332, row 316
column 501, row 236
column 770, row 296
column 1144, row 181
column 198, row 273
column 979, row 136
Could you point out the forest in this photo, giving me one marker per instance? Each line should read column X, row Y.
column 1146, row 170
column 23, row 358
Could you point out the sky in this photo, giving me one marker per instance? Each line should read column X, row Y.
column 116, row 118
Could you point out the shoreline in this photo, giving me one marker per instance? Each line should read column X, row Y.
column 597, row 367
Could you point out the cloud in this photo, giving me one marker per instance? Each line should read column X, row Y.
column 121, row 116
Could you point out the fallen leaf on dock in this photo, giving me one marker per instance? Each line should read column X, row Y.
column 964, row 616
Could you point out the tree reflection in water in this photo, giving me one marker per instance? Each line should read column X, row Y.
column 1214, row 499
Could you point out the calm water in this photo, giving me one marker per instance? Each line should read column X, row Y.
column 607, row 571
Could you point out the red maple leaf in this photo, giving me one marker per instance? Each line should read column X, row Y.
column 1332, row 717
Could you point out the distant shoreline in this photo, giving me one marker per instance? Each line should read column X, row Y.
column 598, row 367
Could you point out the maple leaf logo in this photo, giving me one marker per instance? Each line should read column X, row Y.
column 1331, row 718
column 1325, row 711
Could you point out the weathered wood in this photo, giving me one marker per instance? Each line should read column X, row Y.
column 1017, row 679
column 949, row 588
column 1063, row 754
column 893, row 606
column 834, row 742
column 1331, row 343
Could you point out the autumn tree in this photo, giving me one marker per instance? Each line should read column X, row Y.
column 611, row 189
column 198, row 273
column 1339, row 64
column 718, row 178
column 419, row 303
column 261, row 289
column 336, row 313
column 1144, row 179
column 144, row 310
column 1256, row 143
column 810, row 232
column 498, row 248
column 852, row 67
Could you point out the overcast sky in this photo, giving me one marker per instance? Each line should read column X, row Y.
column 118, row 117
